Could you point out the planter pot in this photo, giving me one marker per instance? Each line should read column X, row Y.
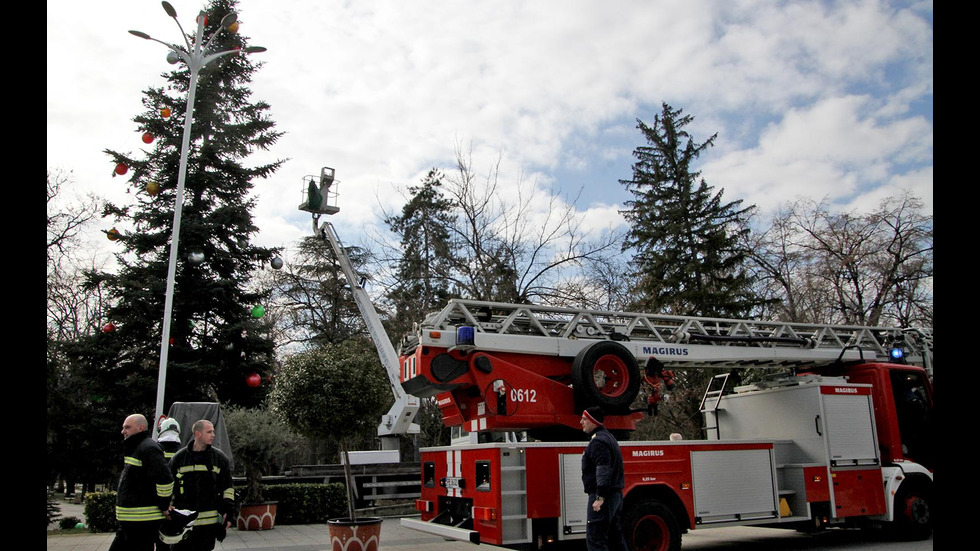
column 362, row 534
column 257, row 516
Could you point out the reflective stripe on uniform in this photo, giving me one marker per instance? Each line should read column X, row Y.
column 196, row 468
column 165, row 490
column 132, row 461
column 137, row 514
column 207, row 517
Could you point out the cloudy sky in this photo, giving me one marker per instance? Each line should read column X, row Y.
column 809, row 98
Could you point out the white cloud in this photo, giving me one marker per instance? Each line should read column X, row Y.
column 835, row 148
column 811, row 98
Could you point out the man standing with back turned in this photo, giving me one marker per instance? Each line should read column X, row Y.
column 144, row 491
column 203, row 480
column 603, row 478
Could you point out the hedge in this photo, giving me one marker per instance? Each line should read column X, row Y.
column 307, row 503
column 100, row 511
column 298, row 504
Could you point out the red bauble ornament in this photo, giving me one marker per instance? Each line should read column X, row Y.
column 253, row 380
column 108, row 328
column 121, row 169
column 147, row 137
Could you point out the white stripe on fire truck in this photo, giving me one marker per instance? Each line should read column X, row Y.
column 454, row 468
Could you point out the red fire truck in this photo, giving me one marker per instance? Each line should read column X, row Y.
column 839, row 435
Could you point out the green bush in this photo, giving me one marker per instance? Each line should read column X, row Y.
column 257, row 438
column 305, row 503
column 100, row 511
column 67, row 523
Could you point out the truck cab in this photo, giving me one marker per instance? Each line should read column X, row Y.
column 903, row 411
column 902, row 397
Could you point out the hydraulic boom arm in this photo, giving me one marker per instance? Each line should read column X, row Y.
column 399, row 419
column 322, row 199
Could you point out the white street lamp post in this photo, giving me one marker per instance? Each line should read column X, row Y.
column 196, row 57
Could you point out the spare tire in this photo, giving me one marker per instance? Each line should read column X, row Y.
column 605, row 374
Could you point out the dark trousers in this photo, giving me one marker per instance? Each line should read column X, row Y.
column 603, row 529
column 136, row 536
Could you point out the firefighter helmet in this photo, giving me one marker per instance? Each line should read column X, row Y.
column 169, row 424
column 176, row 528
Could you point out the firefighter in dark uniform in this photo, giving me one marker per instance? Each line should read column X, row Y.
column 169, row 437
column 604, row 479
column 203, row 483
column 144, row 491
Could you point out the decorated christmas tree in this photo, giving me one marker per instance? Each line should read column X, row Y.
column 219, row 346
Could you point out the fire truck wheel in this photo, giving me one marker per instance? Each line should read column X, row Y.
column 649, row 525
column 913, row 511
column 605, row 374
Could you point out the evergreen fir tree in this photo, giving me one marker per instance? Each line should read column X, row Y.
column 216, row 342
column 318, row 304
column 688, row 258
column 424, row 278
column 425, row 268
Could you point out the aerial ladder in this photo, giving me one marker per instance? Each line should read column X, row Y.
column 320, row 197
column 496, row 366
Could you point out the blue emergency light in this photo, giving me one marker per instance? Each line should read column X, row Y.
column 464, row 335
column 897, row 353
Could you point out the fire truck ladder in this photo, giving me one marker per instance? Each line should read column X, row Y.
column 712, row 397
column 677, row 341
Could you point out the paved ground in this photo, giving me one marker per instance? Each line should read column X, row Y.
column 303, row 537
column 314, row 537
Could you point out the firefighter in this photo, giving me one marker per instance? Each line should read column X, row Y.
column 144, row 491
column 658, row 380
column 169, row 437
column 603, row 479
column 202, row 476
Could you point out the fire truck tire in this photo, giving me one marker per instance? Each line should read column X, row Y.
column 617, row 367
column 913, row 511
column 649, row 525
